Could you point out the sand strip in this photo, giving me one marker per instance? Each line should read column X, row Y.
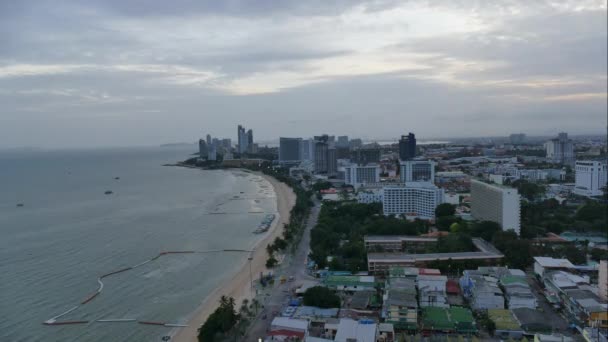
column 238, row 286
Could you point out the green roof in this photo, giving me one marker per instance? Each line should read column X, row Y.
column 504, row 319
column 509, row 279
column 334, row 280
column 453, row 319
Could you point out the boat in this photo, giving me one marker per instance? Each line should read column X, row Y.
column 19, row 204
column 108, row 192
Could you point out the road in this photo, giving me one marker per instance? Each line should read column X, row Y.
column 277, row 297
column 559, row 323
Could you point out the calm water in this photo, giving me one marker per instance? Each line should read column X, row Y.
column 69, row 232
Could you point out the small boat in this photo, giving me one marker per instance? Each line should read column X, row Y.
column 117, row 178
column 108, row 192
column 19, row 205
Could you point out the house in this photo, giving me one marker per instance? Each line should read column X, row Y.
column 350, row 283
column 518, row 292
column 483, row 292
column 432, row 290
column 285, row 329
column 544, row 264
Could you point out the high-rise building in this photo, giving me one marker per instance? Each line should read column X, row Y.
column 241, row 139
column 250, row 147
column 332, row 161
column 208, row 139
column 590, row 177
column 415, row 200
column 227, row 144
column 497, row 203
column 417, row 171
column 203, row 151
column 320, row 155
column 342, row 141
column 365, row 155
column 290, row 149
column 212, row 152
column 517, row 138
column 357, row 175
column 307, row 149
column 407, row 146
column 603, row 279
column 355, row 143
column 560, row 150
column 245, row 140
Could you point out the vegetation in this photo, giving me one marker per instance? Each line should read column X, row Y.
column 220, row 321
column 530, row 191
column 486, row 322
column 292, row 232
column 322, row 297
column 341, row 227
column 445, row 209
column 549, row 216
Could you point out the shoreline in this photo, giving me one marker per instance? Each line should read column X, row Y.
column 238, row 285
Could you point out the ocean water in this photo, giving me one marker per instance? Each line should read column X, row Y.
column 69, row 232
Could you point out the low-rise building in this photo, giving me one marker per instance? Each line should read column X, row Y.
column 400, row 305
column 544, row 264
column 483, row 292
column 518, row 292
column 432, row 290
column 284, row 328
column 507, row 326
column 351, row 283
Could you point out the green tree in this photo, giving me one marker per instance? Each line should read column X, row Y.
column 445, row 209
column 322, row 297
column 220, row 321
column 485, row 229
column 271, row 262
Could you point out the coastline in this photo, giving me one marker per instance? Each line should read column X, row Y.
column 238, row 286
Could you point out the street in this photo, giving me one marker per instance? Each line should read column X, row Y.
column 276, row 296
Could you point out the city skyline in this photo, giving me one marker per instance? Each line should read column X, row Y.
column 119, row 74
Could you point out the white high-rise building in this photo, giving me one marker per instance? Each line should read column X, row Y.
column 415, row 200
column 417, row 171
column 357, row 175
column 497, row 203
column 307, row 149
column 590, row 177
column 603, row 279
column 560, row 150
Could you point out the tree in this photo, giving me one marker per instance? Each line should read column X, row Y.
column 445, row 209
column 322, row 297
column 271, row 262
column 485, row 229
column 220, row 321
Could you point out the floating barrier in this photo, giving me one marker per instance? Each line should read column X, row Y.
column 88, row 299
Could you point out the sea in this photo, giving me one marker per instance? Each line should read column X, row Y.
column 59, row 231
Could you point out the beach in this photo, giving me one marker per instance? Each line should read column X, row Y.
column 238, row 286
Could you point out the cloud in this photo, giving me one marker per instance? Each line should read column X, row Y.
column 366, row 63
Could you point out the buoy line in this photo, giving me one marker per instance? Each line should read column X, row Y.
column 54, row 320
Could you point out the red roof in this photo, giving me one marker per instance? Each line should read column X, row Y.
column 286, row 333
column 428, row 271
column 329, row 191
column 452, row 287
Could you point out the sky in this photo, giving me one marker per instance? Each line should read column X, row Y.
column 140, row 72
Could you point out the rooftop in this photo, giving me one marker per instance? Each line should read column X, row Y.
column 504, row 319
column 359, row 331
column 286, row 322
column 553, row 263
column 397, row 238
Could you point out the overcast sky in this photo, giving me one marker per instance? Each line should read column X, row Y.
column 140, row 72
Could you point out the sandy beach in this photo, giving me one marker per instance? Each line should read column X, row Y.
column 238, row 285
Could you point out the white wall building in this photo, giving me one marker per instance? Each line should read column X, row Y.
column 307, row 149
column 417, row 171
column 368, row 196
column 357, row 175
column 603, row 279
column 500, row 204
column 415, row 200
column 590, row 177
column 560, row 150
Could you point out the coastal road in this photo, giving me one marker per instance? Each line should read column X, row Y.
column 278, row 296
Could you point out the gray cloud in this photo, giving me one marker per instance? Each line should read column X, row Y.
column 167, row 71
